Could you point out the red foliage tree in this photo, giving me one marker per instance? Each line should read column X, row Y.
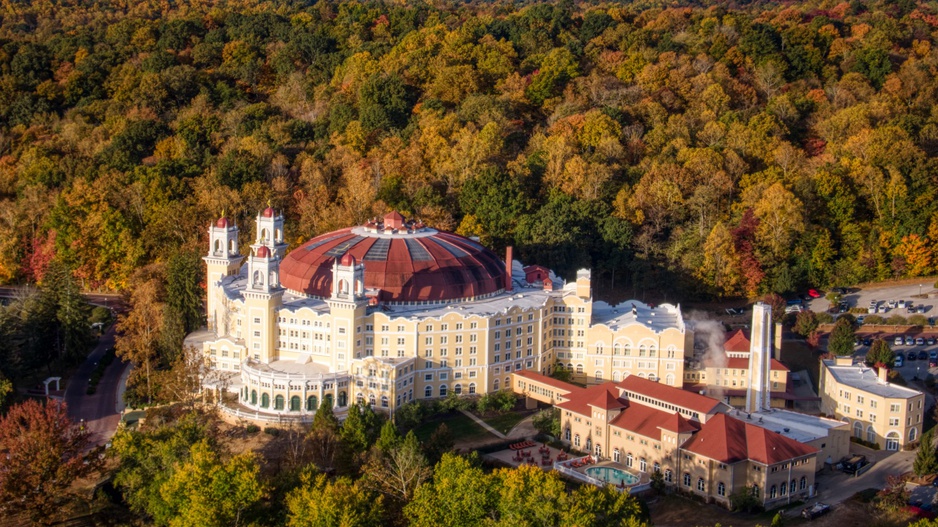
column 43, row 452
column 41, row 252
column 744, row 236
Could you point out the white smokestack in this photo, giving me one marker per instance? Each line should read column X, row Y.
column 758, row 394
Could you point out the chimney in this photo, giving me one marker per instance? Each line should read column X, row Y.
column 508, row 259
column 883, row 374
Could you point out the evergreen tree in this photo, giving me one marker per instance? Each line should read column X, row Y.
column 389, row 438
column 880, row 353
column 926, row 460
column 842, row 338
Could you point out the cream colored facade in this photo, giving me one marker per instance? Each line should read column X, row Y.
column 286, row 352
column 877, row 411
column 675, row 432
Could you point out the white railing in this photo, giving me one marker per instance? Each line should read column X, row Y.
column 561, row 466
column 284, row 418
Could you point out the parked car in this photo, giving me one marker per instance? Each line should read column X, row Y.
column 860, row 319
column 891, row 304
column 818, row 509
column 813, row 293
column 794, row 308
column 920, row 308
column 853, row 464
column 920, row 341
column 909, row 341
column 867, row 341
column 898, row 341
column 922, row 355
column 911, row 356
column 900, row 304
column 933, row 354
column 930, row 341
column 911, row 309
column 882, row 309
column 843, row 307
column 899, row 361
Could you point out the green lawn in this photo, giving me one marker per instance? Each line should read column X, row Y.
column 461, row 427
column 506, row 421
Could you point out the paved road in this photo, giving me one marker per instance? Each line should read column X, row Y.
column 100, row 411
column 836, row 487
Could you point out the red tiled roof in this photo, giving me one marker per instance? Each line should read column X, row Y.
column 648, row 421
column 607, row 401
column 741, row 363
column 669, row 394
column 678, row 423
column 549, row 381
column 580, row 402
column 736, row 341
column 728, row 440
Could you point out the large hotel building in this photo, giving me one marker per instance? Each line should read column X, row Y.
column 394, row 311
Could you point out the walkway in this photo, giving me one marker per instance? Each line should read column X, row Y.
column 484, row 425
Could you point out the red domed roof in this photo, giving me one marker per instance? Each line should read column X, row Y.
column 347, row 260
column 269, row 213
column 413, row 267
column 263, row 252
column 222, row 223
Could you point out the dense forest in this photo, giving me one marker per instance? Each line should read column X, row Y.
column 718, row 150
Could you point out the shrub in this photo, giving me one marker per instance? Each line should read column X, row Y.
column 744, row 500
column 867, row 444
column 918, row 320
column 897, row 320
column 270, row 430
column 874, row 320
column 825, row 318
column 252, row 429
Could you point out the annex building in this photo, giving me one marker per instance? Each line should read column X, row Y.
column 394, row 311
column 691, row 439
column 876, row 410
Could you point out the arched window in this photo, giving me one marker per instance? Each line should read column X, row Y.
column 700, row 484
column 615, row 455
column 254, row 397
column 442, row 390
column 912, row 434
column 384, row 401
column 263, row 235
column 870, row 434
column 589, row 443
column 628, row 460
column 217, row 246
column 265, row 400
column 721, row 489
column 617, row 349
column 652, row 352
column 642, row 375
column 371, row 400
column 258, row 278
column 773, row 492
column 652, row 377
column 472, row 388
column 641, row 350
column 616, row 377
column 669, row 379
column 668, row 475
column 327, row 400
column 232, row 246
column 598, row 376
column 428, row 391
column 804, row 483
column 295, row 403
column 627, row 350
column 657, row 467
column 687, row 479
column 858, row 430
column 360, row 398
column 312, row 403
column 457, row 389
column 755, row 491
column 791, row 487
column 783, row 489
column 343, row 399
column 576, row 440
column 566, row 434
column 642, row 464
column 579, row 368
column 278, row 402
column 570, row 366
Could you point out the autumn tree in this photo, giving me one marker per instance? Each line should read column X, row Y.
column 44, row 452
column 321, row 502
column 140, row 333
column 397, row 471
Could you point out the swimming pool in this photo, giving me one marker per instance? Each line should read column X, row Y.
column 612, row 475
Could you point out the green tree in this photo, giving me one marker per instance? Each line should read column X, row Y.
column 140, row 333
column 319, row 502
column 460, row 495
column 6, row 388
column 183, row 311
column 591, row 506
column 547, row 422
column 842, row 338
column 440, row 442
column 926, row 459
column 806, row 323
column 880, row 353
column 399, row 471
column 324, row 439
column 207, row 491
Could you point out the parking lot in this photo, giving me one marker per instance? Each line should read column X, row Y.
column 923, row 294
column 909, row 369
